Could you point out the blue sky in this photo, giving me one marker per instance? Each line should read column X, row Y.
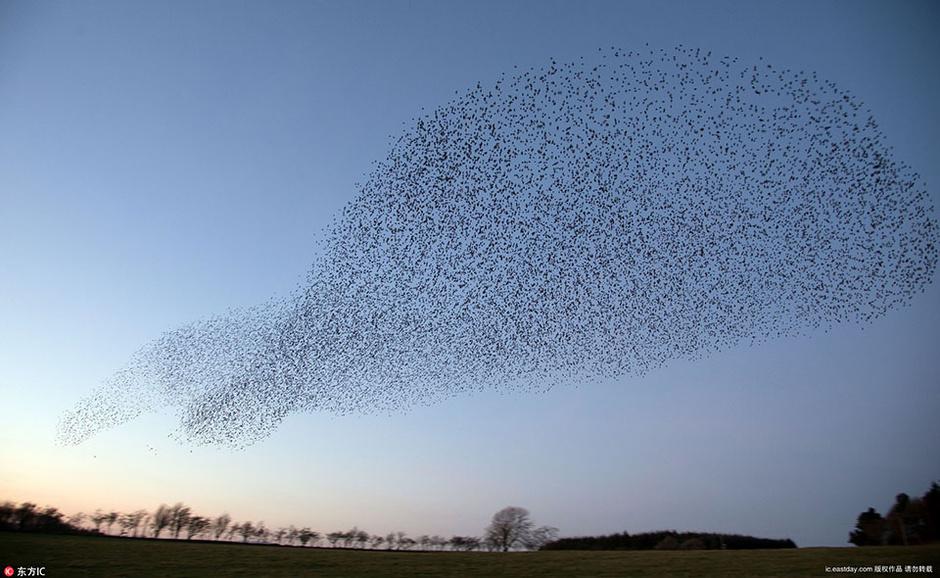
column 161, row 162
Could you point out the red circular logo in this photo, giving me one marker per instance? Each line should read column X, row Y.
column 8, row 571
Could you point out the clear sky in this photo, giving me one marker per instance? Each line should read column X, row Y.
column 164, row 161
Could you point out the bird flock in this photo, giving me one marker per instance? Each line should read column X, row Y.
column 579, row 221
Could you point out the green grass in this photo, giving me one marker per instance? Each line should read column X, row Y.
column 102, row 556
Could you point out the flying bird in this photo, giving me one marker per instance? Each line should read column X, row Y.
column 583, row 220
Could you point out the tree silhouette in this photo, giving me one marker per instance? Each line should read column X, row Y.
column 402, row 541
column 133, row 521
column 540, row 536
column 160, row 519
column 110, row 518
column 8, row 515
column 307, row 535
column 126, row 522
column 868, row 530
column 670, row 542
column 75, row 519
column 27, row 517
column 196, row 525
column 141, row 527
column 350, row 537
column 512, row 528
column 179, row 517
column 693, row 544
column 278, row 535
column 291, row 534
column 465, row 543
column 932, row 511
column 405, row 543
column 438, row 542
column 262, row 533
column 25, row 514
column 232, row 530
column 246, row 530
column 909, row 520
column 98, row 518
column 220, row 524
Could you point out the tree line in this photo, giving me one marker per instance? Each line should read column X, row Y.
column 668, row 540
column 510, row 529
column 910, row 521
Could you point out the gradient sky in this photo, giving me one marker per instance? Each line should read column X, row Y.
column 164, row 161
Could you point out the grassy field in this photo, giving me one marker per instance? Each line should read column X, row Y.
column 100, row 556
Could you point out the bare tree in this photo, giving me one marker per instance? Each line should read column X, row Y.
column 160, row 519
column 179, row 517
column 400, row 540
column 232, row 530
column 278, row 535
column 132, row 521
column 540, row 536
column 26, row 513
column 140, row 517
column 126, row 522
column 28, row 516
column 246, row 530
column 97, row 519
column 307, row 535
column 291, row 535
column 513, row 528
column 196, row 525
column 262, row 533
column 8, row 514
column 77, row 519
column 220, row 524
column 110, row 518
column 465, row 543
column 438, row 542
